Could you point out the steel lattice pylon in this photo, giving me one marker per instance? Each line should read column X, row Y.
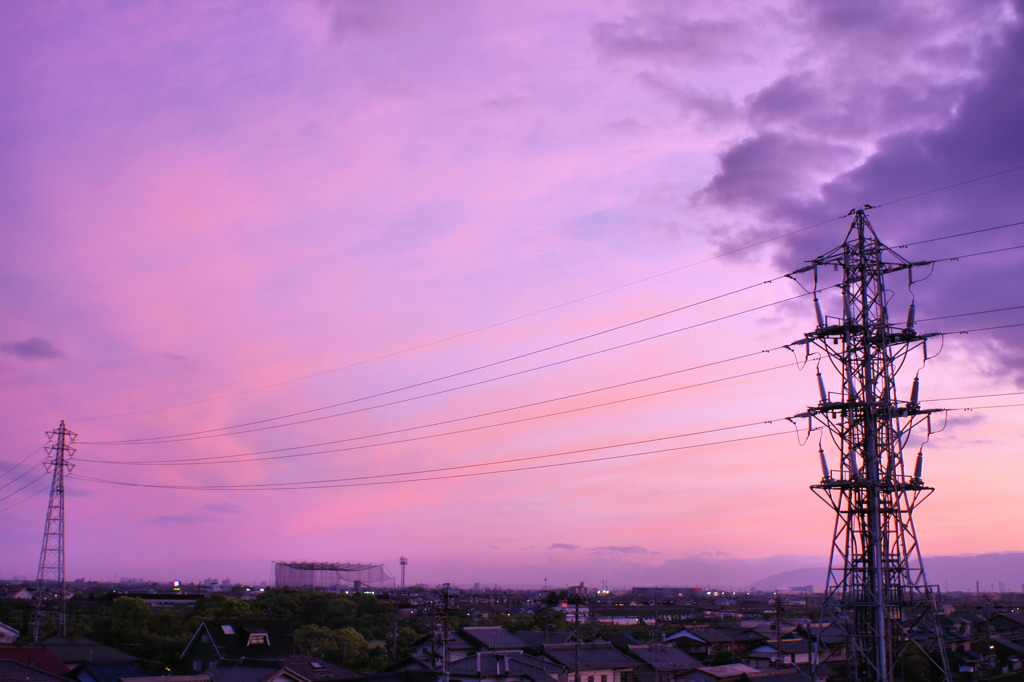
column 50, row 580
column 878, row 605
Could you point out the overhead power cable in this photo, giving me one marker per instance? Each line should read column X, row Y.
column 960, row 234
column 267, row 422
column 13, row 467
column 435, row 342
column 345, row 483
column 248, row 457
column 944, row 188
column 15, row 492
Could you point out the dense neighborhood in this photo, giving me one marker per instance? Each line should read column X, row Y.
column 246, row 634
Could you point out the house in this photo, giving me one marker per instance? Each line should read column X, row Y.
column 73, row 651
column 661, row 662
column 536, row 639
column 106, row 672
column 233, row 640
column 498, row 667
column 8, row 635
column 782, row 675
column 770, row 655
column 318, row 670
column 36, row 656
column 705, row 643
column 493, row 638
column 596, row 662
column 252, row 671
column 16, row 670
column 720, row 673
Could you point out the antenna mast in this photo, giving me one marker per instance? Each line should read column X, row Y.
column 50, row 580
column 876, row 596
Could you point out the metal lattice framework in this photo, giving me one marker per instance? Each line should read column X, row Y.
column 878, row 606
column 306, row 575
column 50, row 582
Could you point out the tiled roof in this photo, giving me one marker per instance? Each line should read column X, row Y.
column 591, row 656
column 784, row 675
column 318, row 670
column 494, row 638
column 730, row 670
column 107, row 672
column 535, row 639
column 14, row 671
column 36, row 655
column 75, row 650
column 665, row 658
column 500, row 665
column 170, row 678
column 230, row 672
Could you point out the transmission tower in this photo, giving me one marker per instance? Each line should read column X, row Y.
column 50, row 580
column 403, row 562
column 877, row 601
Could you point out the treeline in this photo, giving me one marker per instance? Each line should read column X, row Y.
column 358, row 631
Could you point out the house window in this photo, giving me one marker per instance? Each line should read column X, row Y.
column 197, row 666
column 227, row 629
column 604, row 678
column 258, row 639
column 590, row 678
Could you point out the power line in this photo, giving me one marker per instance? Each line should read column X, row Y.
column 565, row 303
column 274, row 454
column 247, row 457
column 35, row 450
column 335, row 483
column 959, row 234
column 225, row 431
column 951, row 186
column 15, row 492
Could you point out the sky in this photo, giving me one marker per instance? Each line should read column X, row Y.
column 497, row 287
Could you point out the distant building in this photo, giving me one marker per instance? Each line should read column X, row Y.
column 329, row 577
column 641, row 594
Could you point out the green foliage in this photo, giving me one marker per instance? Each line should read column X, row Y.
column 344, row 646
column 217, row 606
column 345, row 629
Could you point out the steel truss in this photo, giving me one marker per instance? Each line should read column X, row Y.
column 878, row 605
column 50, row 581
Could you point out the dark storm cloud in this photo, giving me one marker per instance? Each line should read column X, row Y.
column 32, row 349
column 812, row 105
column 982, row 136
column 760, row 169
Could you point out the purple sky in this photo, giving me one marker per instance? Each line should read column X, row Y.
column 428, row 216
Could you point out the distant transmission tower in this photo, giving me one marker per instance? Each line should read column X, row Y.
column 50, row 580
column 877, row 600
column 403, row 562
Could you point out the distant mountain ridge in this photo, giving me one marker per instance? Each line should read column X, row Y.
column 1002, row 571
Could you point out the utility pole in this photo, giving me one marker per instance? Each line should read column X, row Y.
column 50, row 578
column 445, row 632
column 876, row 595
